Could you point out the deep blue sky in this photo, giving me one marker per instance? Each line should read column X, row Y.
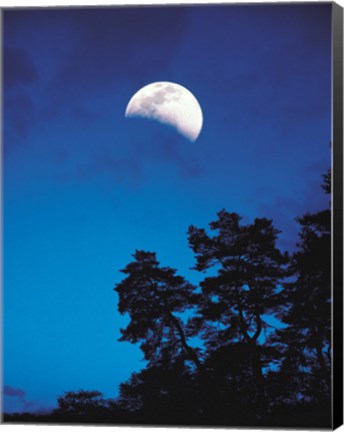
column 84, row 187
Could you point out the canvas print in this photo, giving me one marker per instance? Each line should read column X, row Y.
column 167, row 215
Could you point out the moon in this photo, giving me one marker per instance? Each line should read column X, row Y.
column 168, row 103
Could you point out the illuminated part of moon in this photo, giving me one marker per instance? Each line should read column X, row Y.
column 170, row 104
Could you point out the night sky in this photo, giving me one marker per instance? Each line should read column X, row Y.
column 84, row 186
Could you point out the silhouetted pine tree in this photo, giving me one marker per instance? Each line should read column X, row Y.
column 231, row 318
column 153, row 296
column 306, row 369
column 248, row 280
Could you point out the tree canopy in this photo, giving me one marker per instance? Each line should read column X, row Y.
column 250, row 345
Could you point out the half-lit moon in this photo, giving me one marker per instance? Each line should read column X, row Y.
column 168, row 103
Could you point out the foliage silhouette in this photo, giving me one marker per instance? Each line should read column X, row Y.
column 246, row 287
column 153, row 295
column 306, row 341
column 239, row 370
column 81, row 403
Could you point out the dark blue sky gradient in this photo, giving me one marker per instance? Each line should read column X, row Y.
column 84, row 187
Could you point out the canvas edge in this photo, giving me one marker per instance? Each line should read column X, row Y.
column 337, row 198
column 337, row 212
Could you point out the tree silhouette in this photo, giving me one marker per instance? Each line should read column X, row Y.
column 244, row 290
column 81, row 403
column 152, row 296
column 247, row 373
column 163, row 394
column 307, row 338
